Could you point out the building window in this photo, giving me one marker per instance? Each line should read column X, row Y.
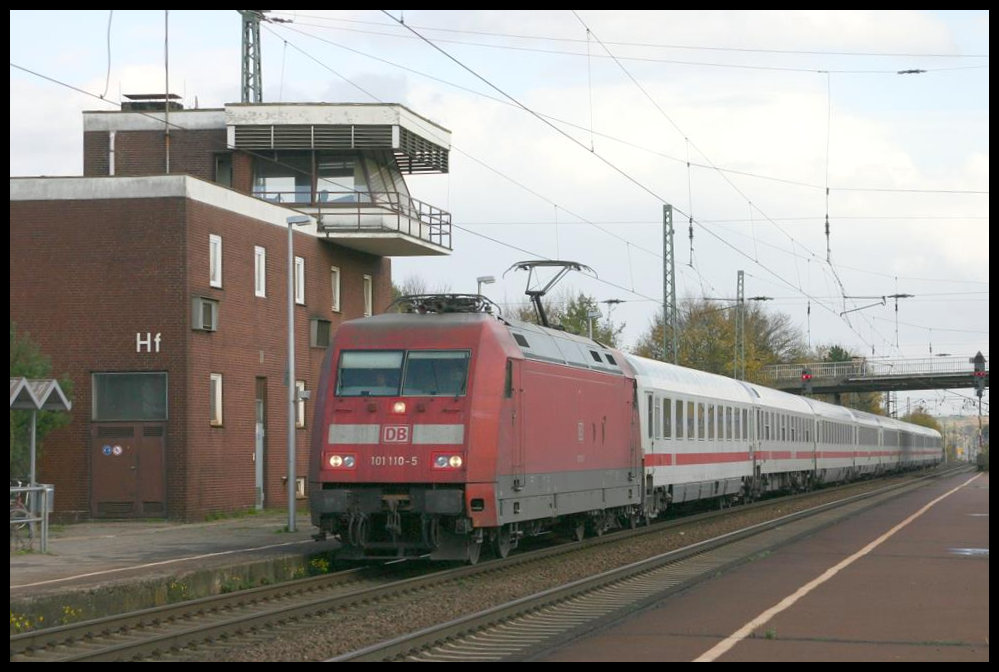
column 129, row 397
column 285, row 178
column 300, row 281
column 335, row 286
column 300, row 403
column 204, row 314
column 259, row 271
column 367, row 295
column 319, row 333
column 223, row 169
column 215, row 403
column 215, row 260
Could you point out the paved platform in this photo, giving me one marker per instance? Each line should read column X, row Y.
column 907, row 581
column 95, row 568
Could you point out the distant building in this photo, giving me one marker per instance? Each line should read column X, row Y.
column 158, row 282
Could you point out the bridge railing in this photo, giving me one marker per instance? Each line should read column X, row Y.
column 783, row 374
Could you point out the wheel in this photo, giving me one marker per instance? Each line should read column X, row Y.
column 474, row 549
column 502, row 541
column 579, row 531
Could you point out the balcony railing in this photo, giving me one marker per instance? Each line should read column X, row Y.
column 380, row 211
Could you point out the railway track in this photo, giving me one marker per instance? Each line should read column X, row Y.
column 529, row 627
column 362, row 609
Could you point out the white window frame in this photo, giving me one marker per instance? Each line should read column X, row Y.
column 300, row 281
column 368, row 284
column 215, row 260
column 215, row 401
column 335, row 287
column 299, row 403
column 259, row 271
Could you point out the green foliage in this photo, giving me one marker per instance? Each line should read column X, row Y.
column 572, row 314
column 920, row 416
column 28, row 361
column 862, row 401
column 706, row 338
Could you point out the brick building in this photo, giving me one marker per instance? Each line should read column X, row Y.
column 158, row 282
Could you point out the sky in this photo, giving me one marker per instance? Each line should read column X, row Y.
column 572, row 129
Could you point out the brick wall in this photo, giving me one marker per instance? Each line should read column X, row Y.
column 87, row 276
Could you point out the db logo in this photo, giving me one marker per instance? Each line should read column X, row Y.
column 395, row 434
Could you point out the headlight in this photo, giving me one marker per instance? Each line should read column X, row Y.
column 341, row 461
column 447, row 461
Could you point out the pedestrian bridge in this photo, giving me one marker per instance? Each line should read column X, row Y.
column 878, row 375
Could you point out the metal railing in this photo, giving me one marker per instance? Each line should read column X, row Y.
column 370, row 211
column 869, row 368
column 30, row 507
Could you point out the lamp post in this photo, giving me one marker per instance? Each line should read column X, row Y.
column 293, row 221
column 484, row 280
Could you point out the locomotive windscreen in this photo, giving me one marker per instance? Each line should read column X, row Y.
column 420, row 372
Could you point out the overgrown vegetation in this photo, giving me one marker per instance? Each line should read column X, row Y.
column 28, row 361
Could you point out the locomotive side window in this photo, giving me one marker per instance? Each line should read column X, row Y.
column 436, row 373
column 375, row 373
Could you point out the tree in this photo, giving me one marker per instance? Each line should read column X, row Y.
column 862, row 401
column 571, row 313
column 920, row 416
column 28, row 361
column 706, row 338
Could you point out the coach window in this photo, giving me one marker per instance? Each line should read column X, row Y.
column 658, row 415
column 375, row 373
column 691, row 421
column 648, row 415
column 701, row 415
column 711, row 421
column 737, row 427
column 436, row 373
column 667, row 418
column 679, row 419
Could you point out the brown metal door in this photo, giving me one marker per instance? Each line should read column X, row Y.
column 128, row 470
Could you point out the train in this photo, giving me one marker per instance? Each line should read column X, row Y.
column 445, row 428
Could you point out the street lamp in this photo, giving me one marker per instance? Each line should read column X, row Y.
column 484, row 280
column 293, row 221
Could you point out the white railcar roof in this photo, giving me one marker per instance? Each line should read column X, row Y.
column 775, row 399
column 826, row 411
column 670, row 378
column 867, row 419
column 562, row 347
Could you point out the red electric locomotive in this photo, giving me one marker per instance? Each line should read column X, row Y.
column 444, row 428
